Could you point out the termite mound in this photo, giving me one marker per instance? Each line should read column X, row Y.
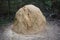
column 29, row 20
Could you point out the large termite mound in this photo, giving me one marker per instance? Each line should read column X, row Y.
column 29, row 20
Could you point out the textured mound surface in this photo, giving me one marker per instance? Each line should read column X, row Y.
column 29, row 20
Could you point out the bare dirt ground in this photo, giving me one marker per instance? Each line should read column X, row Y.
column 56, row 28
column 53, row 33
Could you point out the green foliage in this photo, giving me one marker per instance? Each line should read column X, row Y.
column 14, row 5
column 48, row 3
